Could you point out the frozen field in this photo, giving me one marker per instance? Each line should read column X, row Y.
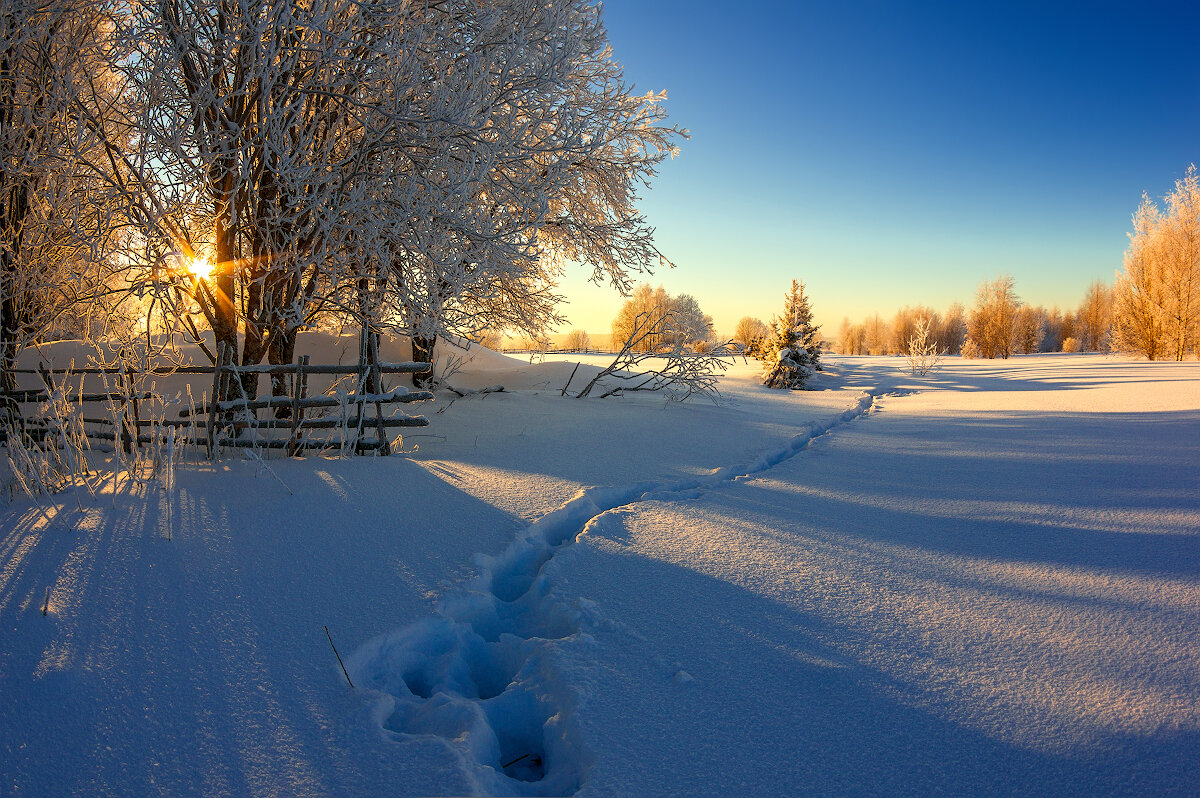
column 983, row 581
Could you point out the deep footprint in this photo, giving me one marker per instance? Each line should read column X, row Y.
column 483, row 674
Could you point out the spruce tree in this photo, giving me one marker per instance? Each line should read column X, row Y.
column 792, row 351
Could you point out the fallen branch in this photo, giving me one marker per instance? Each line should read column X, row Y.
column 683, row 373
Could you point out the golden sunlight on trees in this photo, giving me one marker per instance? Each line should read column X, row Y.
column 1156, row 301
column 750, row 334
column 875, row 336
column 1030, row 329
column 424, row 168
column 992, row 327
column 672, row 321
column 577, row 341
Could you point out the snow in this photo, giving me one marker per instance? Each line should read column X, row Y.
column 983, row 580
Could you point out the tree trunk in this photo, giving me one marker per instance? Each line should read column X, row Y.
column 422, row 352
column 281, row 349
column 9, row 339
column 14, row 313
column 224, row 315
column 368, row 355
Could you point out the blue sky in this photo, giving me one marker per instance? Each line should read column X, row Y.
column 900, row 153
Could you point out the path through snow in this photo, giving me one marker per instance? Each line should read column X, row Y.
column 486, row 673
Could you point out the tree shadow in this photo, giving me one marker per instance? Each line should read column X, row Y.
column 175, row 665
column 1018, row 374
column 790, row 695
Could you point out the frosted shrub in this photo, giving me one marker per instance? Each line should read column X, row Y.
column 1070, row 345
column 923, row 353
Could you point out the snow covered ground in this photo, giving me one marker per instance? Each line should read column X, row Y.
column 982, row 581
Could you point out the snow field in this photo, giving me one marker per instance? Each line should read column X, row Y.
column 988, row 585
column 965, row 599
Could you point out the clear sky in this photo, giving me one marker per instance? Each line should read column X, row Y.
column 900, row 153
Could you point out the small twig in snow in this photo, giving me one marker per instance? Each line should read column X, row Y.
column 253, row 453
column 568, row 385
column 339, row 658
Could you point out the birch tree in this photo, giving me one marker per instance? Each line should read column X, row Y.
column 992, row 325
column 1156, row 300
column 1095, row 318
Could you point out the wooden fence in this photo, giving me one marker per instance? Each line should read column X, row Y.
column 233, row 422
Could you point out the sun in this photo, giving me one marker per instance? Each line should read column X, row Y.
column 201, row 268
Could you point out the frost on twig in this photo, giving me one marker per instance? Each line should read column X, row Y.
column 678, row 371
column 923, row 353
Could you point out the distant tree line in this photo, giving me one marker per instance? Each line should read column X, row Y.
column 998, row 325
column 1152, row 310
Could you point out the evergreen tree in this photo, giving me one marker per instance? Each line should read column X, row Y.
column 792, row 350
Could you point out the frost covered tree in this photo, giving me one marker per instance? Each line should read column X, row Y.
column 750, row 333
column 792, row 351
column 922, row 350
column 689, row 326
column 54, row 223
column 1139, row 294
column 1156, row 300
column 578, row 341
column 1028, row 329
column 663, row 321
column 992, row 325
column 427, row 167
column 560, row 181
column 1094, row 319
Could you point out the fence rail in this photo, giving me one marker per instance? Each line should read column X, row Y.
column 226, row 422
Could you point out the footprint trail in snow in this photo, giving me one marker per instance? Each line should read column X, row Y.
column 488, row 672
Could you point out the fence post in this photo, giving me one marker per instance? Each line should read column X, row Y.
column 123, row 387
column 131, row 397
column 211, row 429
column 299, row 389
column 380, row 430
